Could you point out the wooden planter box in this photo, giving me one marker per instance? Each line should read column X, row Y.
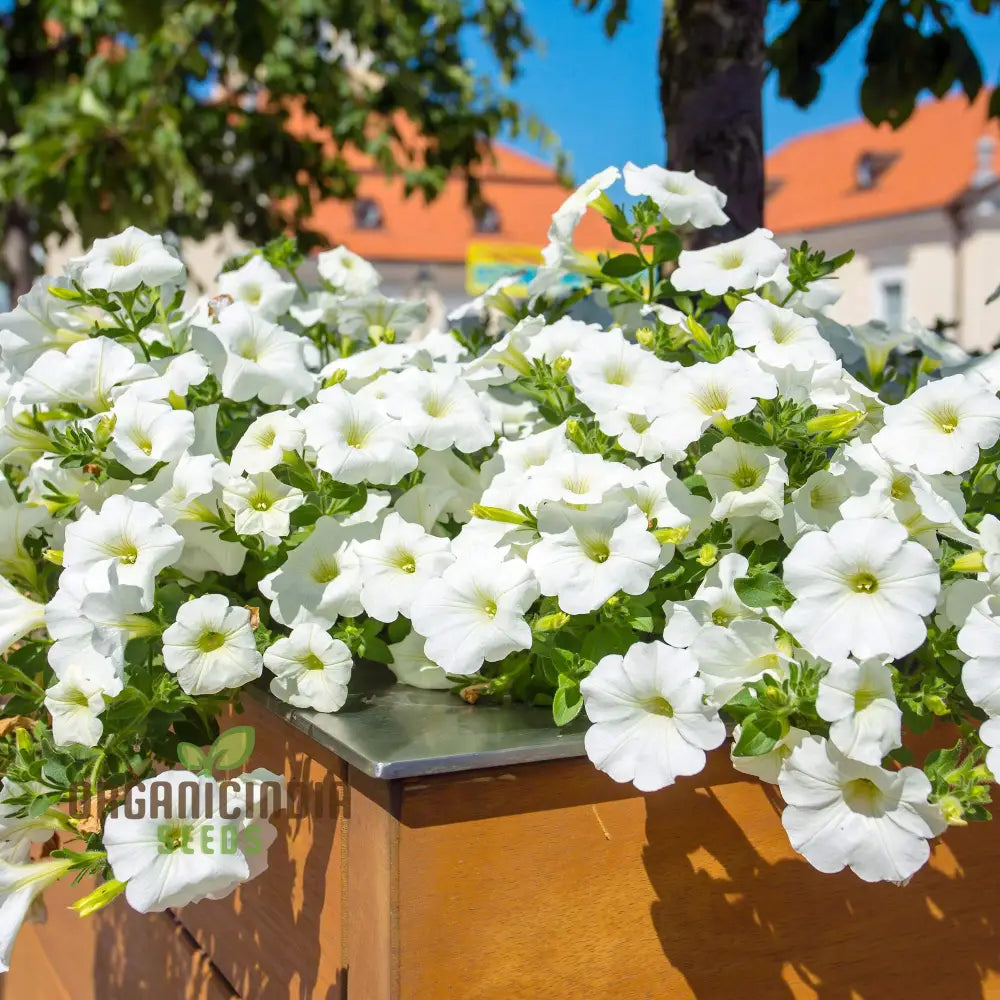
column 473, row 853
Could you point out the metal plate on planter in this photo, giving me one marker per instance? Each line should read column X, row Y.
column 389, row 730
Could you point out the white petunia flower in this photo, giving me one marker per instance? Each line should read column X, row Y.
column 474, row 612
column 715, row 602
column 319, row 581
column 211, row 646
column 942, row 426
column 681, row 196
column 147, row 433
column 356, row 440
column 816, row 504
column 731, row 656
column 38, row 323
column 259, row 287
column 842, row 813
column 20, row 885
column 586, row 556
column 132, row 537
column 989, row 733
column 171, row 844
column 571, row 478
column 858, row 699
column 265, row 442
column 396, row 566
column 766, row 766
column 668, row 503
column 861, row 588
column 87, row 374
column 745, row 480
column 744, row 263
column 124, row 262
column 567, row 217
column 439, row 411
column 695, row 397
column 19, row 615
column 650, row 724
column 19, row 832
column 979, row 639
column 262, row 505
column 779, row 337
column 311, row 669
column 77, row 700
column 413, row 667
column 521, row 456
column 346, row 272
column 254, row 358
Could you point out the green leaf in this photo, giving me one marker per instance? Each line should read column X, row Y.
column 758, row 735
column 761, row 590
column 752, row 431
column 567, row 701
column 623, row 266
column 192, row 757
column 232, row 748
column 666, row 246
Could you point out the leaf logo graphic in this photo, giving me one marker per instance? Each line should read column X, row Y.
column 231, row 750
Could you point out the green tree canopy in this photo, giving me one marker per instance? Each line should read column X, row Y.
column 108, row 117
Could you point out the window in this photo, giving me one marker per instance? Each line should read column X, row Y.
column 889, row 304
column 488, row 221
column 367, row 214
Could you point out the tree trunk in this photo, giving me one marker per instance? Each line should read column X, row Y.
column 711, row 74
column 18, row 263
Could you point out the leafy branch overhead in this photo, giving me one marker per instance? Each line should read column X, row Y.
column 175, row 114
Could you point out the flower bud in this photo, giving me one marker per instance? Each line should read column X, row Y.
column 562, row 365
column 336, row 377
column 572, row 428
column 645, row 337
column 54, row 556
column 501, row 514
column 970, row 562
column 936, row 704
column 99, row 898
column 613, row 601
column 838, row 424
column 672, row 536
column 549, row 623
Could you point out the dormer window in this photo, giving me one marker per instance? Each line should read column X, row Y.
column 870, row 167
column 488, row 220
column 367, row 214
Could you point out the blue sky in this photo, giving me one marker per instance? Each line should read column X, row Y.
column 600, row 96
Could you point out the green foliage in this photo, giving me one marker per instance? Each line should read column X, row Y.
column 105, row 128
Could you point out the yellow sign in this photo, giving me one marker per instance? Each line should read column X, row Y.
column 486, row 263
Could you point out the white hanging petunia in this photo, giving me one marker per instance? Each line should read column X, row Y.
column 254, row 358
column 124, row 262
column 861, row 588
column 210, row 646
column 259, row 287
column 942, row 426
column 40, row 321
column 78, row 698
column 745, row 480
column 779, row 336
column 396, row 566
column 736, row 654
column 265, row 442
column 586, row 556
column 474, row 612
column 262, row 505
column 147, row 433
column 311, row 669
column 683, row 198
column 859, row 702
column 766, row 766
column 130, row 536
column 320, row 580
column 979, row 639
column 841, row 813
column 743, row 263
column 20, row 885
column 650, row 723
column 19, row 615
column 346, row 272
column 172, row 845
column 356, row 440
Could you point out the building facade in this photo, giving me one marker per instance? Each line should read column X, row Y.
column 920, row 206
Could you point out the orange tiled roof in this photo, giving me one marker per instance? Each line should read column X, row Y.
column 524, row 191
column 928, row 163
